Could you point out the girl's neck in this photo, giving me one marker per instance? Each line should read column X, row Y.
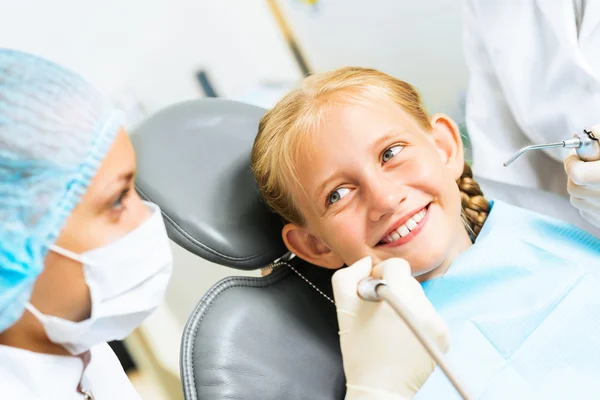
column 460, row 245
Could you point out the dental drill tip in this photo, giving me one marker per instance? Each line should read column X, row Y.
column 513, row 158
column 534, row 147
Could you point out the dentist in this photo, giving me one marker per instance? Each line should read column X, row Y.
column 83, row 260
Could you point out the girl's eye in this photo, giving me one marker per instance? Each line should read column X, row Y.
column 337, row 195
column 390, row 153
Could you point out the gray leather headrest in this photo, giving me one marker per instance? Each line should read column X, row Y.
column 194, row 161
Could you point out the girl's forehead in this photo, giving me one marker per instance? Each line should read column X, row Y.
column 356, row 124
column 345, row 135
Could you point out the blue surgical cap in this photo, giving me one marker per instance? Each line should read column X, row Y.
column 55, row 130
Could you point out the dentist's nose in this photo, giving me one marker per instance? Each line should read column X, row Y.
column 383, row 198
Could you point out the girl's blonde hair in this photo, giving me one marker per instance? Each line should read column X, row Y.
column 282, row 129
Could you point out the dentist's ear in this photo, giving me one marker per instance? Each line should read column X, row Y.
column 446, row 135
column 309, row 248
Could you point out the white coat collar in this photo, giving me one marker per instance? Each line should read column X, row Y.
column 560, row 15
column 51, row 376
column 591, row 20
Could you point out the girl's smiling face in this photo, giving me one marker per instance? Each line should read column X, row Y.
column 372, row 182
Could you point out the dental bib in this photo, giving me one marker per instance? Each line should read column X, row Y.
column 523, row 307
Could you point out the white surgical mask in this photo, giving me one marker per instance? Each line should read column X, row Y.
column 127, row 281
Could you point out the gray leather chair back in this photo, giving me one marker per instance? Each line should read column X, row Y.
column 250, row 338
column 193, row 160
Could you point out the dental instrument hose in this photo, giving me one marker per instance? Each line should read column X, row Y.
column 370, row 289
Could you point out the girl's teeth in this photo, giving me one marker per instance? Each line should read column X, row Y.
column 404, row 231
column 411, row 224
column 406, row 228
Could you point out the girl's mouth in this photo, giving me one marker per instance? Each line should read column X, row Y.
column 407, row 231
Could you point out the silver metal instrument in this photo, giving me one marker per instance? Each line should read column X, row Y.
column 586, row 144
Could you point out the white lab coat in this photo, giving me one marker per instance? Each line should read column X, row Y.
column 25, row 375
column 534, row 78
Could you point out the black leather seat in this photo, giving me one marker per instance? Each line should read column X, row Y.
column 250, row 338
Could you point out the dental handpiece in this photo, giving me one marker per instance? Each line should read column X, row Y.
column 370, row 289
column 586, row 145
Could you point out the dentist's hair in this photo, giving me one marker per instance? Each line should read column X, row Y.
column 282, row 129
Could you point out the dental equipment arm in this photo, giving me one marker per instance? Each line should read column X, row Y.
column 382, row 358
column 376, row 290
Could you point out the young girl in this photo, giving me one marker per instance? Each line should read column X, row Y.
column 356, row 168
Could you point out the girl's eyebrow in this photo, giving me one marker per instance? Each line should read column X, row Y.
column 325, row 182
column 387, row 137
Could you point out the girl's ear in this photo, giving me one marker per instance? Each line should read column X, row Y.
column 305, row 245
column 449, row 144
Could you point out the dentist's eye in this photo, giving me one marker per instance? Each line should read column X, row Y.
column 118, row 204
column 337, row 195
column 390, row 153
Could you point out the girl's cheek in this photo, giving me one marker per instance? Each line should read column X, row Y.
column 416, row 172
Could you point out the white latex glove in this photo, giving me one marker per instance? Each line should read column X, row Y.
column 382, row 357
column 584, row 187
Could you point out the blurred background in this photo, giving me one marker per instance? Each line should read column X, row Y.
column 145, row 55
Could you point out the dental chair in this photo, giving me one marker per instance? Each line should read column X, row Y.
column 250, row 338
